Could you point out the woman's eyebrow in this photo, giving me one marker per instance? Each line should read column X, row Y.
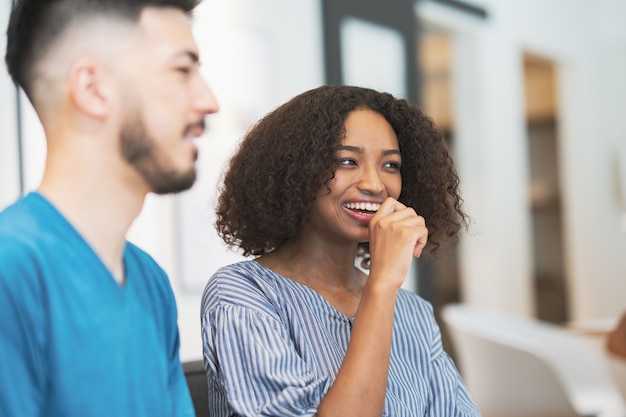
column 357, row 149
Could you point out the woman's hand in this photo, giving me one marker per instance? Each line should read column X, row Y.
column 397, row 234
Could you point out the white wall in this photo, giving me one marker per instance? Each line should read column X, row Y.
column 588, row 43
column 593, row 100
column 9, row 154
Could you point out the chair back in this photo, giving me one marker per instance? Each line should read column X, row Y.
column 198, row 386
column 519, row 367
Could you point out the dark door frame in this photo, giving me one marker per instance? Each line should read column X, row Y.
column 397, row 15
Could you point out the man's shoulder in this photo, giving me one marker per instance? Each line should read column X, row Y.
column 26, row 219
column 19, row 233
column 21, row 246
column 26, row 229
column 14, row 215
column 18, row 257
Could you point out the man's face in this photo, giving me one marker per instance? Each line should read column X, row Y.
column 166, row 103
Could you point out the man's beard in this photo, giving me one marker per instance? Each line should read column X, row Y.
column 140, row 150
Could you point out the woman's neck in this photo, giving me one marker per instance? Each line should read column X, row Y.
column 328, row 269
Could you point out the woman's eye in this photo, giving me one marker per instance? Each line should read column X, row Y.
column 184, row 70
column 392, row 165
column 347, row 161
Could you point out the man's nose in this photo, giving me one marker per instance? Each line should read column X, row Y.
column 204, row 99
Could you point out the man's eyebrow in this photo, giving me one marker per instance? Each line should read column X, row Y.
column 192, row 55
column 357, row 149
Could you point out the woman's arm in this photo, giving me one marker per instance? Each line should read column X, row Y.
column 396, row 235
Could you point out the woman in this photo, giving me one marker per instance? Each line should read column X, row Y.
column 334, row 176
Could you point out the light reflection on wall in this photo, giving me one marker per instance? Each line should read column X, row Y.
column 33, row 145
column 373, row 56
column 238, row 63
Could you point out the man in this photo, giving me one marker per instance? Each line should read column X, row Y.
column 87, row 320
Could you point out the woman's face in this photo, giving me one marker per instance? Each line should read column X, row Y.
column 367, row 172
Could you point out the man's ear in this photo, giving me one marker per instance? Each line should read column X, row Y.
column 87, row 85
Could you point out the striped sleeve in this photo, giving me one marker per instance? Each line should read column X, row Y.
column 250, row 355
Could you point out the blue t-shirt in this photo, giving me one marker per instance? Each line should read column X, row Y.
column 273, row 347
column 73, row 342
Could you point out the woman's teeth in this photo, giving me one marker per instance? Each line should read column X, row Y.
column 372, row 207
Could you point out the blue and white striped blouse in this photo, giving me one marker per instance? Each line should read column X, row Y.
column 273, row 347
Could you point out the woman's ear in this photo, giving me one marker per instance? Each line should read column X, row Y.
column 87, row 85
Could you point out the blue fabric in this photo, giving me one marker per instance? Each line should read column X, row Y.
column 74, row 343
column 273, row 347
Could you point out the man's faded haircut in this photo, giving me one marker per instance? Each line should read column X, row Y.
column 35, row 26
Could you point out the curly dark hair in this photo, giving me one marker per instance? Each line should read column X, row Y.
column 274, row 176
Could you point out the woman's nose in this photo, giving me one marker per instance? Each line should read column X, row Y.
column 370, row 182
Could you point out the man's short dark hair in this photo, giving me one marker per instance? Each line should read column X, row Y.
column 35, row 25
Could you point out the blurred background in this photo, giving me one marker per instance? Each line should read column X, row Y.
column 530, row 94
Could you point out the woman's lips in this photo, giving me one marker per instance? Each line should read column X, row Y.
column 361, row 211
